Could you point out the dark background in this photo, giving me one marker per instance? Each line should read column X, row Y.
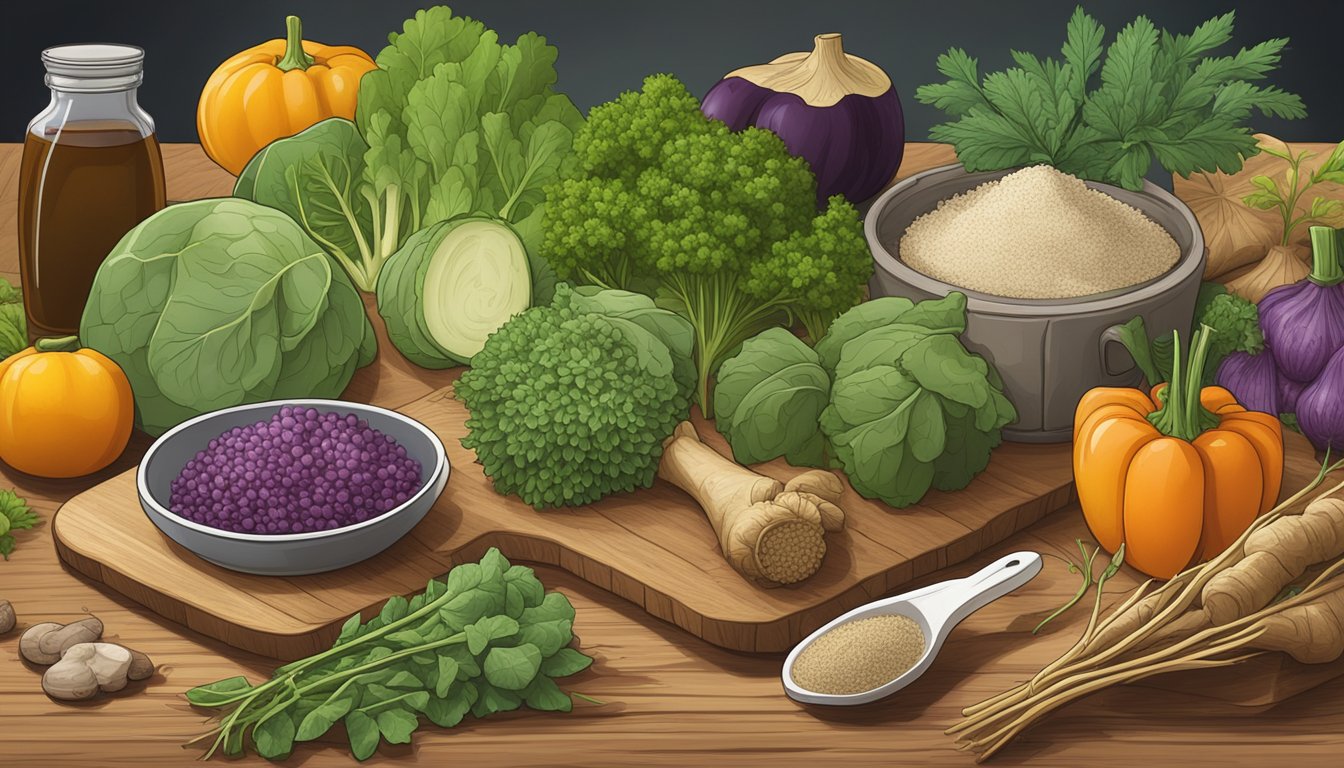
column 606, row 47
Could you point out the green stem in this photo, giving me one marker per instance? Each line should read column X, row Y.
column 294, row 57
column 1181, row 415
column 58, row 344
column 1290, row 204
column 1325, row 266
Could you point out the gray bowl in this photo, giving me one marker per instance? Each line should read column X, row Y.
column 296, row 553
column 1048, row 351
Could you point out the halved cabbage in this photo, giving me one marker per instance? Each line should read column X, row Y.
column 450, row 286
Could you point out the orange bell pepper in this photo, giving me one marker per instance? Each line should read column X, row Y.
column 1176, row 475
column 274, row 90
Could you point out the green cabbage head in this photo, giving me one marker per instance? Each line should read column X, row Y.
column 220, row 302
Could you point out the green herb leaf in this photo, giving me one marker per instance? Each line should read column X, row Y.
column 512, row 668
column 274, row 736
column 543, row 694
column 219, row 693
column 487, row 630
column 1156, row 97
column 396, row 725
column 363, row 733
column 564, row 663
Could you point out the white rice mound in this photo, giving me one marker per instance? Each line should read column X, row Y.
column 1038, row 233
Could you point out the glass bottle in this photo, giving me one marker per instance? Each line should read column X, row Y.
column 91, row 171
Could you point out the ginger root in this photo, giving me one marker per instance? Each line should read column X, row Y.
column 1275, row 555
column 84, row 669
column 770, row 532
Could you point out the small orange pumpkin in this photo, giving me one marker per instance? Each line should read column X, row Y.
column 64, row 411
column 274, row 90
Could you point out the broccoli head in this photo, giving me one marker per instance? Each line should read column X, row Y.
column 567, row 406
column 722, row 226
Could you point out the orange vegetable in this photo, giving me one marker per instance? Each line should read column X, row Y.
column 64, row 411
column 1176, row 475
column 275, row 90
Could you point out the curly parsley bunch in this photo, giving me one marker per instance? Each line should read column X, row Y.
column 721, row 226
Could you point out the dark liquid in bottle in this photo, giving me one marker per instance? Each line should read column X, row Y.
column 80, row 190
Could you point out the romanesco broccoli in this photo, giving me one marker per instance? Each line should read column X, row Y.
column 569, row 405
column 722, row 226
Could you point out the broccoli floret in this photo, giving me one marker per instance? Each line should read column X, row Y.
column 723, row 226
column 566, row 407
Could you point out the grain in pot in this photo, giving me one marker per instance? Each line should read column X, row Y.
column 1038, row 233
column 859, row 656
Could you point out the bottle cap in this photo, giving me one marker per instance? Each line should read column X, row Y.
column 94, row 67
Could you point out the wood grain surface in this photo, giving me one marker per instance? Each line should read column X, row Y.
column 653, row 547
column 671, row 699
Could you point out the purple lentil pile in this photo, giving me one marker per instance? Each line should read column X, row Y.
column 300, row 471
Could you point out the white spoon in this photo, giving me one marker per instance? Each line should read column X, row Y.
column 937, row 608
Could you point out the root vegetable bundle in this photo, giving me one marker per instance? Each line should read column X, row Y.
column 1251, row 599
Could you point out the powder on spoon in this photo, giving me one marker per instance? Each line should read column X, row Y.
column 860, row 655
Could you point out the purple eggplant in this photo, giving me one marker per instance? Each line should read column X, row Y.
column 838, row 112
column 1252, row 379
column 1303, row 323
column 1320, row 409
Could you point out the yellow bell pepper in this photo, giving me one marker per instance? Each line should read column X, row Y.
column 275, row 90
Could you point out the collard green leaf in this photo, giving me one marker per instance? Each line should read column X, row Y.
column 940, row 364
column 862, row 318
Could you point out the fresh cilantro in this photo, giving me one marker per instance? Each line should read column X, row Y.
column 1156, row 97
column 15, row 515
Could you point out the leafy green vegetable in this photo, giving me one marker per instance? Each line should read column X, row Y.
column 452, row 285
column 1156, row 97
column 1269, row 195
column 467, row 644
column 13, row 320
column 219, row 302
column 450, row 123
column 722, row 227
column 15, row 515
column 571, row 402
column 1235, row 324
column 909, row 407
column 768, row 399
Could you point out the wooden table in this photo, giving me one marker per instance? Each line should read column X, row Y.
column 672, row 700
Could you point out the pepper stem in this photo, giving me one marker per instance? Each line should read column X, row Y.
column 1325, row 266
column 57, row 344
column 294, row 57
column 1180, row 413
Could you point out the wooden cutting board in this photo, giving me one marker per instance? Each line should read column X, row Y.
column 653, row 547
